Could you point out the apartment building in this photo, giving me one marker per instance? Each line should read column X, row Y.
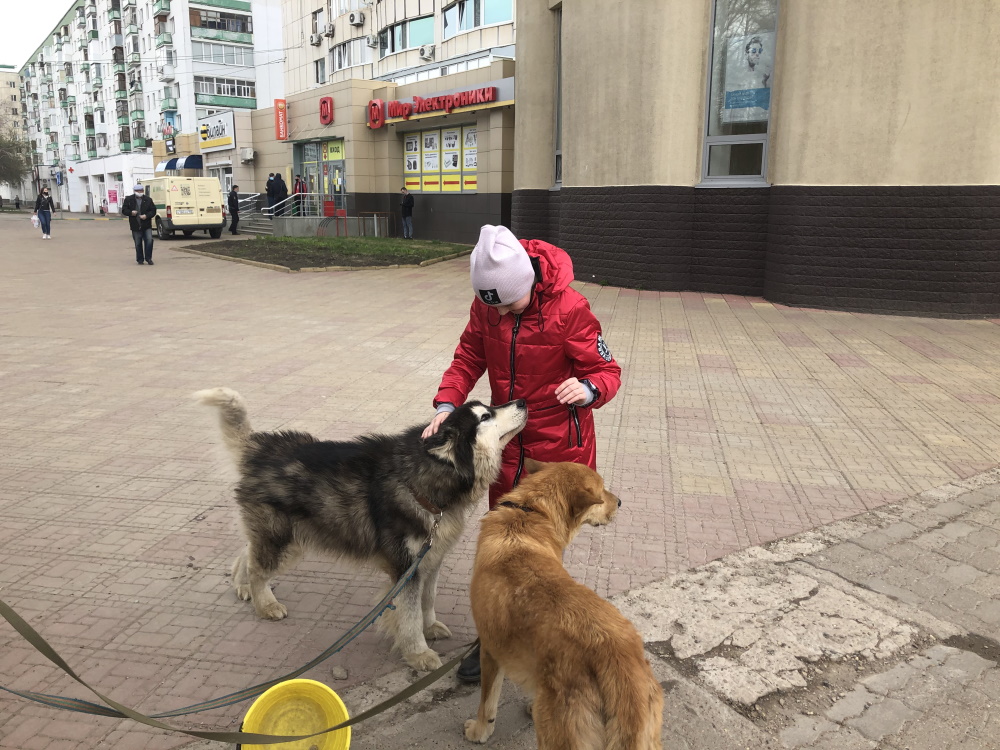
column 115, row 74
column 12, row 122
column 392, row 92
column 824, row 153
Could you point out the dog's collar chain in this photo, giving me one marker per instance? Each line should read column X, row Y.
column 509, row 504
column 425, row 503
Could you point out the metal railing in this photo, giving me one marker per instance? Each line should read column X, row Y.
column 305, row 205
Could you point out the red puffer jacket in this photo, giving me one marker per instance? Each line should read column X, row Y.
column 527, row 356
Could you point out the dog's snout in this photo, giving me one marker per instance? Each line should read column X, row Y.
column 619, row 502
column 520, row 403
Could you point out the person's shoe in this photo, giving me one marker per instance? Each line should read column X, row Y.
column 149, row 262
column 139, row 262
column 469, row 670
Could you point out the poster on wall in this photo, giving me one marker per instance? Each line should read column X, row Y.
column 411, row 154
column 749, row 66
column 470, row 152
column 451, row 157
column 432, row 140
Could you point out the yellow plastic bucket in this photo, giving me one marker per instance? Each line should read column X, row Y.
column 299, row 707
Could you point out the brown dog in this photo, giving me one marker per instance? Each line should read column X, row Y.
column 569, row 649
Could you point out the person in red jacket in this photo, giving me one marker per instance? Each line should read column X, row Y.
column 536, row 339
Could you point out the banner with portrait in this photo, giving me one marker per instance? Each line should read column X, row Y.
column 749, row 67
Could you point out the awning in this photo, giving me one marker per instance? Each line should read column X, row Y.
column 162, row 166
column 189, row 162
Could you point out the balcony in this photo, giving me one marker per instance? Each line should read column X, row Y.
column 168, row 104
column 128, row 4
column 131, row 30
column 71, row 101
column 90, row 131
column 92, row 34
column 85, row 66
column 52, row 146
column 123, row 119
column 118, row 68
column 74, row 157
column 137, row 114
column 81, row 21
column 135, row 87
column 125, row 146
column 98, row 106
column 117, row 40
column 82, row 44
column 91, row 9
column 114, row 15
column 238, row 102
column 138, row 143
column 220, row 35
column 88, row 110
column 92, row 154
column 74, row 138
column 69, row 78
column 97, row 83
column 47, row 78
column 164, row 39
column 64, row 103
column 121, row 94
column 165, row 72
column 161, row 7
column 132, row 58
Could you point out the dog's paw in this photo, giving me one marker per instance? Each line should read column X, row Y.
column 273, row 611
column 476, row 733
column 243, row 592
column 425, row 661
column 437, row 631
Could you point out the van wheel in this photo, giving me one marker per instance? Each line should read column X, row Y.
column 188, row 232
column 162, row 232
column 215, row 233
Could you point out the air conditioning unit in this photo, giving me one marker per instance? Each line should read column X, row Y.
column 328, row 29
column 372, row 40
column 426, row 52
column 315, row 39
column 246, row 155
column 356, row 18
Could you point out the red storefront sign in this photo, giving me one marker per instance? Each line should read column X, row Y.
column 378, row 110
column 376, row 114
column 326, row 110
column 280, row 120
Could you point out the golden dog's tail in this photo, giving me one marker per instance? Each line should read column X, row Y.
column 634, row 704
column 233, row 417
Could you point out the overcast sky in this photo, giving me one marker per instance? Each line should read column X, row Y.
column 24, row 24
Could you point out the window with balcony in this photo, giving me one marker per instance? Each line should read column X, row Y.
column 223, row 91
column 223, row 54
column 466, row 15
column 349, row 54
column 210, row 19
column 406, row 35
column 346, row 6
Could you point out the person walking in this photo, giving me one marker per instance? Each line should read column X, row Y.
column 43, row 210
column 406, row 211
column 269, row 190
column 298, row 190
column 234, row 209
column 140, row 210
column 17, row 202
column 280, row 194
column 536, row 339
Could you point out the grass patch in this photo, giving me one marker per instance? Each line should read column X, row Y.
column 317, row 252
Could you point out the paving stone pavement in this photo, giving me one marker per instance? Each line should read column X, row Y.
column 740, row 422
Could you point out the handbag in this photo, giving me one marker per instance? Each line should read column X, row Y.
column 35, row 222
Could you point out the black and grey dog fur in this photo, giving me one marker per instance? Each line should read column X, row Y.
column 359, row 500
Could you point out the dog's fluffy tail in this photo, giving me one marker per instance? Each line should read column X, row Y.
column 233, row 417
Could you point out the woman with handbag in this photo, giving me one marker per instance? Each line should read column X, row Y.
column 43, row 210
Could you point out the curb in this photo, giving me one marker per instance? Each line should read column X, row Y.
column 320, row 269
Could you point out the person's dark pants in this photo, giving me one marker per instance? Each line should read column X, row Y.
column 140, row 238
column 234, row 223
column 407, row 227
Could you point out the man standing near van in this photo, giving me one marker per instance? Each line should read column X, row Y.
column 140, row 210
column 234, row 209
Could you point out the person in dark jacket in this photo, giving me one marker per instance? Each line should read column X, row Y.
column 280, row 194
column 140, row 210
column 406, row 211
column 234, row 208
column 536, row 339
column 269, row 189
column 44, row 209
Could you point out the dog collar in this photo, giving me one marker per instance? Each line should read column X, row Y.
column 425, row 503
column 509, row 504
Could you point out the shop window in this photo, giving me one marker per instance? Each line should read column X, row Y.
column 741, row 76
column 441, row 161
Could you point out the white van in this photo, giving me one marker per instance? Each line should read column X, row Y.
column 188, row 205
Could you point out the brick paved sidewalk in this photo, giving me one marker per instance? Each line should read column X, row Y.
column 739, row 422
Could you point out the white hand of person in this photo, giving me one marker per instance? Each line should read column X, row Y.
column 432, row 428
column 142, row 216
column 572, row 391
column 134, row 213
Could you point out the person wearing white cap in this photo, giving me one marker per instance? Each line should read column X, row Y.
column 140, row 210
column 536, row 339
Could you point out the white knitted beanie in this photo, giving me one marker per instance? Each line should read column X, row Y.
column 500, row 269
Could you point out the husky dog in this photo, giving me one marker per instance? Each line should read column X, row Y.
column 373, row 499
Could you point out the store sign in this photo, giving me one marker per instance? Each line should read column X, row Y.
column 446, row 103
column 280, row 120
column 217, row 133
column 376, row 114
column 326, row 110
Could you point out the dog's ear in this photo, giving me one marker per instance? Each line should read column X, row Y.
column 583, row 495
column 533, row 466
column 442, row 442
column 447, row 445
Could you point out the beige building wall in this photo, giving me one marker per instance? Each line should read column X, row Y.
column 895, row 92
column 626, row 81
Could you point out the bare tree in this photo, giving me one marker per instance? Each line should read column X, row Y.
column 15, row 153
